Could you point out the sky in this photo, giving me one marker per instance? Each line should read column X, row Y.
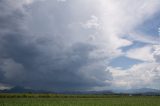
column 80, row 44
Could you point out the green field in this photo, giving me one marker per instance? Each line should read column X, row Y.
column 76, row 100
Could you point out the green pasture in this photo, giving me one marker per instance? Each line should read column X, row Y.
column 77, row 100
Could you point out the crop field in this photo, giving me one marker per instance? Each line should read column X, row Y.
column 77, row 100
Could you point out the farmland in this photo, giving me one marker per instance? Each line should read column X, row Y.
column 77, row 100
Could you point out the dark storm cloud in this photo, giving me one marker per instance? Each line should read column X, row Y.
column 46, row 55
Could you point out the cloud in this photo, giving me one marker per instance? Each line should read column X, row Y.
column 156, row 53
column 44, row 58
column 143, row 38
column 138, row 76
column 61, row 0
column 146, row 74
column 3, row 86
column 143, row 54
column 62, row 46
column 92, row 23
column 11, row 69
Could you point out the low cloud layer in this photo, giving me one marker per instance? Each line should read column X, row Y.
column 58, row 45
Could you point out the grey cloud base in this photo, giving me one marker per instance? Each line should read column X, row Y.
column 42, row 58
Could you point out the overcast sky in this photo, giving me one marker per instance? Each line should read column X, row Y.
column 80, row 44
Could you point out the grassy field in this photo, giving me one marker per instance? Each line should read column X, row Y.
column 76, row 100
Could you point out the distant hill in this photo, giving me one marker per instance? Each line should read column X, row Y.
column 19, row 89
column 142, row 91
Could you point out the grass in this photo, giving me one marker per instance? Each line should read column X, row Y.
column 77, row 100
